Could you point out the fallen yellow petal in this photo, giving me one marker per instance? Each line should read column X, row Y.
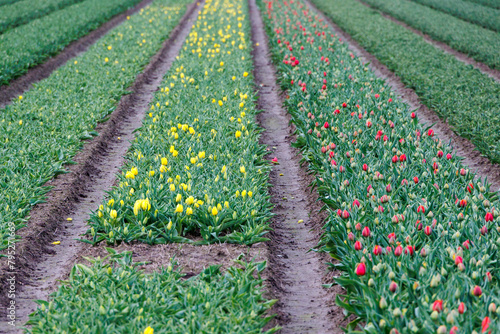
column 69, row 219
column 300, row 221
column 56, row 242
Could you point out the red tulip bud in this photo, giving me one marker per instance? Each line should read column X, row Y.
column 477, row 291
column 440, row 154
column 358, row 227
column 356, row 203
column 485, row 324
column 423, row 252
column 448, row 156
column 358, row 245
column 438, row 305
column 458, row 259
column 413, row 115
column 393, row 287
column 350, row 236
column 461, row 308
column 484, row 230
column 430, row 133
column 395, row 219
column 344, row 105
column 409, row 250
column 402, row 158
column 377, row 250
column 365, row 167
column 488, row 217
column 466, row 244
column 361, row 269
column 428, row 230
column 415, row 179
column 488, row 277
column 462, row 172
column 366, row 232
column 326, row 125
column 398, row 251
column 394, row 159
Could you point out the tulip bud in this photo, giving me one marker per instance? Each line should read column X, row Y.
column 461, row 308
column 371, row 282
column 361, row 269
column 441, row 329
column 382, row 303
column 492, row 307
column 393, row 287
column 366, row 232
column 476, row 291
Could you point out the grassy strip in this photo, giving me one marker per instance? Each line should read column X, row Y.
column 479, row 43
column 52, row 33
column 453, row 89
column 489, row 3
column 196, row 167
column 25, row 11
column 485, row 17
column 415, row 233
column 7, row 2
column 114, row 296
column 43, row 130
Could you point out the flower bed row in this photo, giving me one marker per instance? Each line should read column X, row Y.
column 42, row 130
column 19, row 13
column 52, row 33
column 114, row 296
column 414, row 231
column 195, row 172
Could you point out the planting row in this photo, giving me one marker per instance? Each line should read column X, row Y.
column 195, row 168
column 114, row 296
column 484, row 16
column 62, row 110
column 478, row 43
column 7, row 2
column 24, row 11
column 466, row 98
column 52, row 33
column 195, row 172
column 415, row 233
column 489, row 3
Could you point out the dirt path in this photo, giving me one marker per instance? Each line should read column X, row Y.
column 39, row 263
column 296, row 275
column 485, row 69
column 18, row 86
column 461, row 146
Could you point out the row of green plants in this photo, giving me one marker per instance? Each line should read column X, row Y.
column 467, row 99
column 195, row 172
column 413, row 230
column 28, row 45
column 476, row 42
column 25, row 11
column 488, row 3
column 485, row 17
column 7, row 2
column 42, row 130
column 113, row 295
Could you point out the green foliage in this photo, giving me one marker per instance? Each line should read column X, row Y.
column 114, row 296
column 41, row 132
column 24, row 11
column 489, row 3
column 478, row 43
column 196, row 166
column 485, row 17
column 19, row 52
column 466, row 98
column 7, row 2
column 409, row 225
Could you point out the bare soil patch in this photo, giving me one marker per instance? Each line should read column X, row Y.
column 17, row 86
column 461, row 146
column 296, row 273
column 39, row 264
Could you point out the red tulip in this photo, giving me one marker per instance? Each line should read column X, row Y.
column 344, row 105
column 438, row 305
column 388, row 188
column 428, row 230
column 365, row 167
column 430, row 133
column 404, row 182
column 484, row 230
column 466, row 244
column 393, row 287
column 485, row 324
column 477, row 291
column 458, row 259
column 326, row 125
column 409, row 250
column 413, row 115
column 402, row 158
column 415, row 179
column 394, row 159
column 356, row 203
column 440, row 154
column 488, row 217
column 366, row 232
column 361, row 269
column 398, row 251
column 358, row 245
column 377, row 96
column 350, row 236
column 461, row 308
column 454, row 330
column 448, row 156
column 358, row 227
column 488, row 277
column 421, row 208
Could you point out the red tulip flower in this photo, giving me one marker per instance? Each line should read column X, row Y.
column 358, row 245
column 430, row 133
column 398, row 251
column 415, row 179
column 361, row 269
column 393, row 287
column 477, row 291
column 485, row 324
column 402, row 158
column 461, row 308
column 428, row 230
column 326, row 125
column 377, row 250
column 365, row 167
column 438, row 305
column 488, row 217
column 366, row 232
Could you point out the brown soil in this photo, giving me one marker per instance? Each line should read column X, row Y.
column 461, row 146
column 296, row 275
column 485, row 69
column 39, row 263
column 17, row 86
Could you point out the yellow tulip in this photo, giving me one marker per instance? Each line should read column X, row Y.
column 214, row 211
column 179, row 208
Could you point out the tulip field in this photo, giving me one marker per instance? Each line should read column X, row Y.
column 406, row 234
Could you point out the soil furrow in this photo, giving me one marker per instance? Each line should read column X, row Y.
column 18, row 86
column 461, row 146
column 483, row 68
column 39, row 263
column 296, row 274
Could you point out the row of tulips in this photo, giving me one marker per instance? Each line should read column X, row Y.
column 414, row 231
column 195, row 172
column 113, row 295
column 44, row 128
